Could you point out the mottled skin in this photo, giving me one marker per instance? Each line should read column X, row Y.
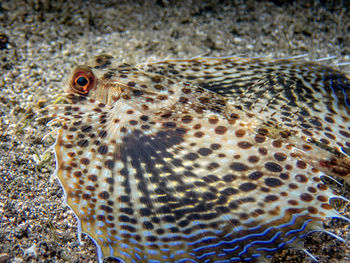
column 203, row 160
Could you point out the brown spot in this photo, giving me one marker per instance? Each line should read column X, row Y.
column 327, row 206
column 280, row 156
column 77, row 174
column 85, row 161
column 220, row 130
column 293, row 210
column 263, row 151
column 187, row 119
column 169, row 124
column 199, row 134
column 345, row 134
column 212, row 166
column 271, row 198
column 162, row 97
column 329, row 119
column 240, row 167
column 244, row 145
column 273, row 167
column 83, row 143
column 90, row 188
column 106, row 208
column 186, row 90
column 260, row 138
column 183, row 100
column 86, row 196
column 322, row 198
column 312, row 210
column 144, row 118
column 284, row 176
column 103, row 149
column 307, row 147
column 277, row 144
column 159, row 87
column 263, row 131
column 229, row 178
column 253, row 159
column 104, row 195
column 301, row 164
column 288, row 167
column 293, row 186
column 306, row 197
column 213, row 120
column 273, row 182
column 204, row 151
column 92, row 177
column 324, row 141
column 109, row 164
column 191, row 156
column 322, row 187
column 246, row 187
column 301, row 178
column 330, row 136
column 255, row 175
column 215, row 146
column 293, row 202
column 102, row 134
column 240, row 133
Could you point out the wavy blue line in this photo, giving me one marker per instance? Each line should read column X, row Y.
column 292, row 222
column 186, row 260
column 123, row 245
column 206, row 254
column 234, row 240
column 152, row 252
column 271, row 240
column 229, row 250
column 200, row 241
column 166, row 250
column 345, row 98
column 179, row 252
column 124, row 254
column 301, row 229
column 138, row 256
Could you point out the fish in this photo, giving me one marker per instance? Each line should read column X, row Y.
column 204, row 159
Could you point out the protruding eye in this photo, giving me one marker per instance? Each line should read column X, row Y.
column 83, row 80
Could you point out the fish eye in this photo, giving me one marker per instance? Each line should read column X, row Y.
column 83, row 80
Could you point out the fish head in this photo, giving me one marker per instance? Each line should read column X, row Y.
column 105, row 81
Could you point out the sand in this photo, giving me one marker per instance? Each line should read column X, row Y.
column 41, row 41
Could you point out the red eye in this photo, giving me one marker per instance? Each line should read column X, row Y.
column 83, row 80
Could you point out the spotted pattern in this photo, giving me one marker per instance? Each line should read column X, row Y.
column 204, row 160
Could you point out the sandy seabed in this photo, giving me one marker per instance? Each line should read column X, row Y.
column 41, row 41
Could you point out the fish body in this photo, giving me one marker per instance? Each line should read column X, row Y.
column 202, row 160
